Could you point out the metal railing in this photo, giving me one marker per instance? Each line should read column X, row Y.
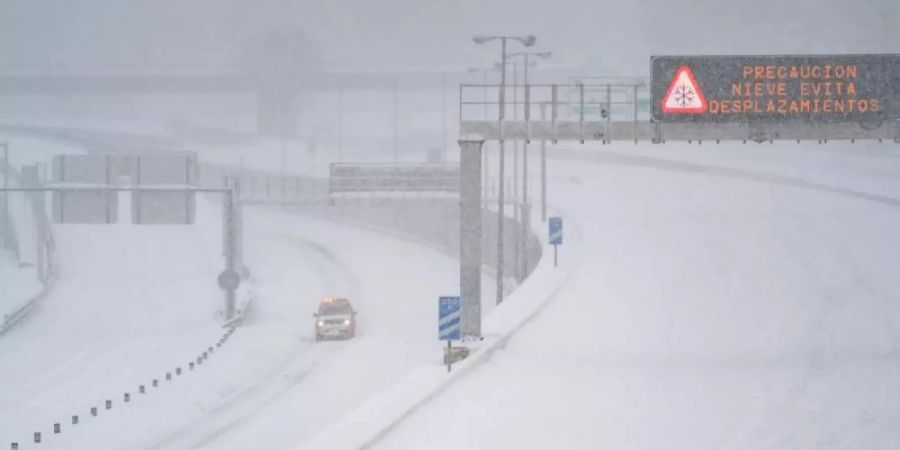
column 556, row 102
column 583, row 110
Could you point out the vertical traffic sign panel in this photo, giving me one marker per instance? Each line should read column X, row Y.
column 556, row 231
column 448, row 318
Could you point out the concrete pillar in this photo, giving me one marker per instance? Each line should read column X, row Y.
column 470, row 237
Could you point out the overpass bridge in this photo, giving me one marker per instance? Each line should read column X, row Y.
column 278, row 96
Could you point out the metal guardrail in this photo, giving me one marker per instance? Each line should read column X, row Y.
column 347, row 178
column 281, row 189
column 46, row 259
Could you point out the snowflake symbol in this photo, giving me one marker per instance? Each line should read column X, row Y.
column 685, row 95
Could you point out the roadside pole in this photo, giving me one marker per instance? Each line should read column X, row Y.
column 229, row 279
column 5, row 212
column 525, row 216
column 449, row 325
column 516, row 200
column 543, row 169
column 500, row 180
column 395, row 116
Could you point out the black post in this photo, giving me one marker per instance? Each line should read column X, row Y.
column 230, row 296
column 554, row 255
column 56, row 428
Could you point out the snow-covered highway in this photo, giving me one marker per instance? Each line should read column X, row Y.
column 716, row 309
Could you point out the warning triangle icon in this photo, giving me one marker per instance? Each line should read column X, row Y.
column 684, row 94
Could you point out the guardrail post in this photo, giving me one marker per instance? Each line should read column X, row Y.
column 37, row 437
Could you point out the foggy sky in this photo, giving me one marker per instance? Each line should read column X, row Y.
column 614, row 37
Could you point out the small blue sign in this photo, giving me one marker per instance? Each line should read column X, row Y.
column 448, row 318
column 556, row 231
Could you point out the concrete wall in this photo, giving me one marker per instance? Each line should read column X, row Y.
column 430, row 221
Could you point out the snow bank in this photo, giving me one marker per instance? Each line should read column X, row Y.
column 714, row 311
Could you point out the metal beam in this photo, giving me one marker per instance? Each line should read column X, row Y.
column 659, row 132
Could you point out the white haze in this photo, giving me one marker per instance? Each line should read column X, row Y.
column 617, row 37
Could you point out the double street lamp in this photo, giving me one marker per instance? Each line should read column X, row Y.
column 527, row 41
column 521, row 250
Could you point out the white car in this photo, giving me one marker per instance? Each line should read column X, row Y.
column 335, row 319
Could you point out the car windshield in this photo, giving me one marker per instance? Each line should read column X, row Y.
column 330, row 309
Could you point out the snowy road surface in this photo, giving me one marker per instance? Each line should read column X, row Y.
column 715, row 311
column 129, row 318
column 393, row 284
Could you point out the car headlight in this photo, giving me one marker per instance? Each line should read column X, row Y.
column 346, row 321
column 321, row 323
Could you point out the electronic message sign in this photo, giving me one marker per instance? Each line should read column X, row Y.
column 810, row 89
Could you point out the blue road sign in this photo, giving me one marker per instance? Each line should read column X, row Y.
column 556, row 231
column 448, row 318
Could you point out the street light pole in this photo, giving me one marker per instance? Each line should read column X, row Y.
column 484, row 150
column 543, row 169
column 444, row 116
column 340, row 121
column 527, row 41
column 395, row 87
column 515, row 181
column 523, row 216
column 5, row 194
column 501, row 175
